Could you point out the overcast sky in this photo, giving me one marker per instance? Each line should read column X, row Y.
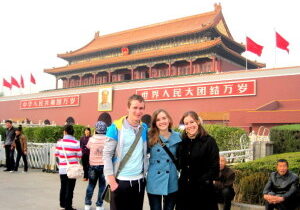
column 33, row 32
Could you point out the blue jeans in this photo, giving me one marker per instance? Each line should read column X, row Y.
column 95, row 174
column 168, row 201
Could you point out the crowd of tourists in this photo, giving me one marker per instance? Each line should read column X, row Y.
column 126, row 158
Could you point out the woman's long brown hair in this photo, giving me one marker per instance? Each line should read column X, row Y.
column 154, row 131
column 194, row 115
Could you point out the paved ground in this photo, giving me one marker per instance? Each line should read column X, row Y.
column 36, row 190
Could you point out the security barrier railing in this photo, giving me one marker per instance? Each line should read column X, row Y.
column 41, row 155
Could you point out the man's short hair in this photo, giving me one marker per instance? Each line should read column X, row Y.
column 283, row 161
column 8, row 121
column 135, row 97
column 223, row 156
column 69, row 129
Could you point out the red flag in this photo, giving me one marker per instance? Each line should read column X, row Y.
column 32, row 79
column 14, row 82
column 281, row 42
column 253, row 47
column 22, row 82
column 6, row 84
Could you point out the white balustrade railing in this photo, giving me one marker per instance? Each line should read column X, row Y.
column 40, row 155
column 241, row 155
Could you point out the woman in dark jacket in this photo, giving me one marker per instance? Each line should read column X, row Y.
column 85, row 152
column 198, row 156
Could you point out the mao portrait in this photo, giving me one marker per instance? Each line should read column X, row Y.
column 105, row 99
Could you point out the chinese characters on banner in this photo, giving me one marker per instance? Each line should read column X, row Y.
column 209, row 90
column 51, row 102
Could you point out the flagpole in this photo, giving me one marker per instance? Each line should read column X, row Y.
column 275, row 54
column 246, row 54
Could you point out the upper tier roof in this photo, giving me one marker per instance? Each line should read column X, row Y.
column 157, row 31
column 149, row 54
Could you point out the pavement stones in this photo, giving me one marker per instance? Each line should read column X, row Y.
column 37, row 190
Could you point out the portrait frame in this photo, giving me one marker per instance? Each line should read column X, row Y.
column 105, row 99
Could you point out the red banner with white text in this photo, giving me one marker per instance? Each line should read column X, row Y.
column 207, row 90
column 50, row 102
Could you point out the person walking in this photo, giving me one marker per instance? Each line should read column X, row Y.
column 128, row 184
column 9, row 137
column 95, row 145
column 198, row 156
column 67, row 149
column 162, row 177
column 85, row 152
column 20, row 143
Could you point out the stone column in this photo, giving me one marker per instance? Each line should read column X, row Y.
column 56, row 83
column 132, row 74
column 191, row 67
column 80, row 80
column 150, row 71
column 212, row 69
column 68, row 82
column 109, row 77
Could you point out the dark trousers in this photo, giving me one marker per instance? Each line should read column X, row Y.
column 196, row 197
column 128, row 196
column 95, row 175
column 288, row 204
column 168, row 201
column 85, row 163
column 10, row 159
column 24, row 157
column 66, row 191
column 225, row 196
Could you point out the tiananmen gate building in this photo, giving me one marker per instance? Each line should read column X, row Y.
column 190, row 63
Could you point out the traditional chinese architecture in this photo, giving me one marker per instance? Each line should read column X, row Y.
column 198, row 44
column 191, row 63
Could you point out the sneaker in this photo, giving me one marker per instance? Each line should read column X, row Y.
column 6, row 170
column 87, row 207
column 12, row 171
column 100, row 208
column 25, row 172
column 62, row 208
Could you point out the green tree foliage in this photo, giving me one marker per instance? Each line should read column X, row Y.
column 49, row 134
column 2, row 132
column 286, row 138
column 227, row 138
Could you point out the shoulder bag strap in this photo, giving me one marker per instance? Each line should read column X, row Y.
column 164, row 146
column 130, row 151
column 65, row 152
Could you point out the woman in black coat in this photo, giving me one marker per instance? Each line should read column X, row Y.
column 198, row 157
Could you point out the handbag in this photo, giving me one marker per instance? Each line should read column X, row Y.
column 106, row 195
column 74, row 171
column 173, row 158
